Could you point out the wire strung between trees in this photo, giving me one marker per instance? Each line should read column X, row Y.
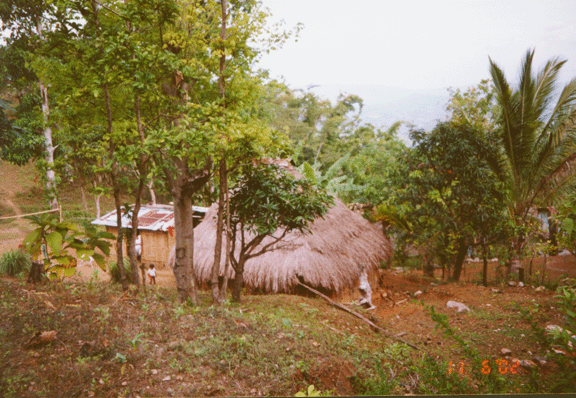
column 30, row 214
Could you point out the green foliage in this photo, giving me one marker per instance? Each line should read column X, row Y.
column 269, row 202
column 115, row 272
column 560, row 342
column 267, row 198
column 382, row 384
column 449, row 195
column 18, row 142
column 483, row 376
column 55, row 240
column 534, row 129
column 475, row 107
column 566, row 218
column 335, row 184
column 310, row 392
column 14, row 262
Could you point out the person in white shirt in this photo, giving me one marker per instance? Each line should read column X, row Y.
column 138, row 246
column 152, row 274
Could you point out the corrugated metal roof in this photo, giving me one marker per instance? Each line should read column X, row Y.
column 153, row 218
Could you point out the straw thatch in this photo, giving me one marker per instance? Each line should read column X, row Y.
column 330, row 258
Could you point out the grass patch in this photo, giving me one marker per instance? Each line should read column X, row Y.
column 14, row 262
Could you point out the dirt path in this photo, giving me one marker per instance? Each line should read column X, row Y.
column 13, row 180
column 9, row 202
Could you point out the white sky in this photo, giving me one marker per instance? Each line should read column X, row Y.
column 418, row 44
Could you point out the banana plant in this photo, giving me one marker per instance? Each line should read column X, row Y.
column 334, row 184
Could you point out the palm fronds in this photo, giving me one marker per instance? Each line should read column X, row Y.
column 538, row 135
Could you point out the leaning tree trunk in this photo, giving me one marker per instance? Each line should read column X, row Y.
column 461, row 254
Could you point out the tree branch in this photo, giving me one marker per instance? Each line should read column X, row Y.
column 357, row 315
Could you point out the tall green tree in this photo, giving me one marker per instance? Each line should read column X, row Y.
column 449, row 197
column 538, row 136
column 32, row 22
column 268, row 202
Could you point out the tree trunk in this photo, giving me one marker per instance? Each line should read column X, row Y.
column 461, row 254
column 49, row 148
column 47, row 132
column 224, row 288
column 238, row 281
column 97, row 201
column 82, row 191
column 142, row 169
column 119, row 238
column 216, row 295
column 219, row 230
column 428, row 266
column 152, row 192
column 484, row 266
column 184, row 259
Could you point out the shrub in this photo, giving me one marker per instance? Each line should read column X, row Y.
column 115, row 272
column 14, row 262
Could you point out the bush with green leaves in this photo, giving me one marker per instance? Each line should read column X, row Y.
column 14, row 262
column 53, row 241
column 559, row 341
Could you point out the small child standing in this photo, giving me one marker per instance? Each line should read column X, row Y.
column 152, row 274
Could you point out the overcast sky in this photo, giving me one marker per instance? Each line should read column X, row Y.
column 418, row 44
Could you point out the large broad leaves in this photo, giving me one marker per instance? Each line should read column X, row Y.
column 61, row 244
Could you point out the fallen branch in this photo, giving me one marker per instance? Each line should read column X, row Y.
column 357, row 315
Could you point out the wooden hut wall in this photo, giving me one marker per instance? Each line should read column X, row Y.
column 156, row 246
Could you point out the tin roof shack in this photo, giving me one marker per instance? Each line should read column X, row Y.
column 156, row 228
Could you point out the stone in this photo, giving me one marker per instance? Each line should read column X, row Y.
column 154, row 371
column 459, row 306
column 559, row 352
column 540, row 289
column 528, row 364
column 539, row 360
column 418, row 293
column 506, row 351
column 511, row 283
column 496, row 291
column 167, row 378
column 520, row 284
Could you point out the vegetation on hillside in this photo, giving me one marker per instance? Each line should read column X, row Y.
column 161, row 100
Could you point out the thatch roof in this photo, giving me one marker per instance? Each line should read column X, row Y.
column 330, row 258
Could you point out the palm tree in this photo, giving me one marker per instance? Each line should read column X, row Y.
column 538, row 136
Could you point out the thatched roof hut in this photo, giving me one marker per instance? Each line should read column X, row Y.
column 330, row 258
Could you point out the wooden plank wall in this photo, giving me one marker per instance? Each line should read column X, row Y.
column 156, row 246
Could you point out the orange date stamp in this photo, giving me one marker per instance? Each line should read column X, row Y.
column 505, row 366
